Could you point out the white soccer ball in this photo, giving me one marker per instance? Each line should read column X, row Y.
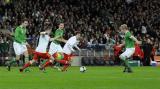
column 83, row 69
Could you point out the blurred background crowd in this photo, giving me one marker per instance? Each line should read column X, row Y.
column 98, row 20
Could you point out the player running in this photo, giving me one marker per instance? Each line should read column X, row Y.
column 130, row 47
column 58, row 38
column 67, row 52
column 41, row 50
column 20, row 43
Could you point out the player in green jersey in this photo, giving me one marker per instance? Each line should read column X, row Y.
column 20, row 43
column 129, row 42
column 58, row 38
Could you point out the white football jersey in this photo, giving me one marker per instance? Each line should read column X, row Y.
column 43, row 43
column 70, row 44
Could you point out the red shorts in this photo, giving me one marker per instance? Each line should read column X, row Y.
column 67, row 57
column 38, row 55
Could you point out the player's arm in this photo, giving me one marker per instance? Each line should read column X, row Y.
column 43, row 33
column 135, row 39
column 77, row 42
column 59, row 38
column 62, row 40
column 55, row 38
column 77, row 47
column 121, row 45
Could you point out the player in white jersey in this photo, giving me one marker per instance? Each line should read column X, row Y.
column 41, row 50
column 72, row 42
column 67, row 52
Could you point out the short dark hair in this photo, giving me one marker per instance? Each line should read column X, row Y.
column 77, row 32
column 60, row 23
column 23, row 20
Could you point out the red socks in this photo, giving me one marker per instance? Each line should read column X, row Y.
column 26, row 65
column 65, row 67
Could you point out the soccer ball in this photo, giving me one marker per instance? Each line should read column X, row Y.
column 83, row 69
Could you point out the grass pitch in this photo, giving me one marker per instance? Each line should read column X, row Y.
column 93, row 78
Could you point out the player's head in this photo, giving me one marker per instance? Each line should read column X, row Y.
column 78, row 35
column 123, row 28
column 61, row 26
column 47, row 22
column 25, row 22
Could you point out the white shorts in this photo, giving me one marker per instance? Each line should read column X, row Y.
column 19, row 48
column 128, row 53
column 55, row 48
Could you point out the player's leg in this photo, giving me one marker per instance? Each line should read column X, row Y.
column 126, row 64
column 48, row 57
column 26, row 59
column 35, row 58
column 124, row 57
column 26, row 65
column 65, row 62
column 52, row 50
column 48, row 63
column 18, row 51
column 59, row 49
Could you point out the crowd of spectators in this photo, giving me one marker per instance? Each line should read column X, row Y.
column 98, row 20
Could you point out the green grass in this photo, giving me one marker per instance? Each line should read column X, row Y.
column 93, row 78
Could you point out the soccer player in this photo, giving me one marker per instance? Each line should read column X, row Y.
column 20, row 43
column 58, row 38
column 41, row 50
column 130, row 47
column 67, row 52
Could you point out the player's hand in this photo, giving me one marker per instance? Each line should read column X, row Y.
column 139, row 42
column 119, row 46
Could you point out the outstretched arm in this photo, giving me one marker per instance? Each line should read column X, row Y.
column 77, row 47
column 121, row 45
column 135, row 39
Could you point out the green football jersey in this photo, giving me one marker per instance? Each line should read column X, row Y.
column 129, row 43
column 58, row 33
column 20, row 35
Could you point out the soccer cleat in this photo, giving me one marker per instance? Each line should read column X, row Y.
column 125, row 69
column 20, row 70
column 129, row 70
column 9, row 67
column 58, row 68
column 63, row 70
column 42, row 69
